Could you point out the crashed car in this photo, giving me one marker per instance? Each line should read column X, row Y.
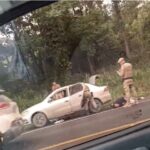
column 53, row 108
column 11, row 123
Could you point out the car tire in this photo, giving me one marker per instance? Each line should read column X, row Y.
column 98, row 108
column 8, row 136
column 39, row 120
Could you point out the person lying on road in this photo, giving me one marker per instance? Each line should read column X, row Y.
column 119, row 102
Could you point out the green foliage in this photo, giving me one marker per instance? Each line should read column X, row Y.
column 29, row 97
column 141, row 81
column 50, row 37
column 69, row 39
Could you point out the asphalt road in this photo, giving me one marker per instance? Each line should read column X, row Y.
column 69, row 133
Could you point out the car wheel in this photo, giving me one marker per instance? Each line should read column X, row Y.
column 39, row 120
column 97, row 108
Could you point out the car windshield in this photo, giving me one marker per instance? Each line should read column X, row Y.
column 95, row 52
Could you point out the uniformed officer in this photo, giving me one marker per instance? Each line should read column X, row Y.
column 126, row 73
column 87, row 96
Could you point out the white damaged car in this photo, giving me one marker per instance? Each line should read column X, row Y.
column 11, row 123
column 55, row 108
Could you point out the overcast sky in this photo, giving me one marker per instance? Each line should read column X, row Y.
column 107, row 1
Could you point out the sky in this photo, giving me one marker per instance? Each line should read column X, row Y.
column 107, row 1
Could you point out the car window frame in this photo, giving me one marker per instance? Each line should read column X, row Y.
column 56, row 91
column 75, row 85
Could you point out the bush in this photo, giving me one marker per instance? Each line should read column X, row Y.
column 35, row 94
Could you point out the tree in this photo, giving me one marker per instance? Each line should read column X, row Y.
column 81, row 36
column 120, row 26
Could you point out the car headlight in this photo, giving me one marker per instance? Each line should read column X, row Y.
column 24, row 112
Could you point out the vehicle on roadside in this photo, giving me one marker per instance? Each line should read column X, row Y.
column 11, row 123
column 52, row 108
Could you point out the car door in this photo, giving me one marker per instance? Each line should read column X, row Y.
column 59, row 104
column 76, row 96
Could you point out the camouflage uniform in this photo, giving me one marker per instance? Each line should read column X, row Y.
column 87, row 96
column 126, row 73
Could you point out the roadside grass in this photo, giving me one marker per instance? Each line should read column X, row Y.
column 24, row 103
column 27, row 98
column 141, row 82
column 30, row 97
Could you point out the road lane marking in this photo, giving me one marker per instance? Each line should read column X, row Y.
column 101, row 133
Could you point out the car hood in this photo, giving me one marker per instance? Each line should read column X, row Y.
column 33, row 108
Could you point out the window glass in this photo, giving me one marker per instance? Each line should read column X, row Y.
column 49, row 53
column 75, row 89
column 59, row 95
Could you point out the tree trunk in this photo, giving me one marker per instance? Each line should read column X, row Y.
column 126, row 44
column 90, row 65
column 121, row 26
